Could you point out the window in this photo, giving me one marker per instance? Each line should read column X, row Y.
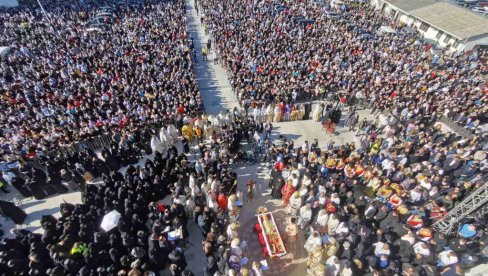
column 438, row 36
column 447, row 38
column 455, row 44
column 424, row 27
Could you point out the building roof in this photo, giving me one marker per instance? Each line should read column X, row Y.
column 454, row 20
column 409, row 5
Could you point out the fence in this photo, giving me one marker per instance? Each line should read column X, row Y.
column 93, row 143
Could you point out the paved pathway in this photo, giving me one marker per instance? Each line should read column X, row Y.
column 218, row 96
column 212, row 80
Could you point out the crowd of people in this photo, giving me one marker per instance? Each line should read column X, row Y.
column 65, row 80
column 202, row 189
column 149, row 236
column 62, row 84
column 366, row 208
column 271, row 57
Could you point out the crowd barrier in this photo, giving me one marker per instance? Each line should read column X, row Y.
column 95, row 143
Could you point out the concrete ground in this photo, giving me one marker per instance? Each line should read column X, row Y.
column 218, row 96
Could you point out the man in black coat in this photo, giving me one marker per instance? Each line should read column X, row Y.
column 178, row 258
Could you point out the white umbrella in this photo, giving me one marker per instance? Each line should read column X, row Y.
column 110, row 221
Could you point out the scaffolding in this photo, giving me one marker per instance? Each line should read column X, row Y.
column 473, row 206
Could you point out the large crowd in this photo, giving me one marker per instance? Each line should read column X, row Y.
column 365, row 209
column 149, row 236
column 272, row 57
column 64, row 81
column 368, row 208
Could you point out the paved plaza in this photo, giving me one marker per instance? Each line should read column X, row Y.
column 218, row 96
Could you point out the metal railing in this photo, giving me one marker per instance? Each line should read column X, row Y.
column 94, row 143
column 473, row 206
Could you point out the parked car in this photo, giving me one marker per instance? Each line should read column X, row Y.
column 466, row 3
column 481, row 10
column 4, row 50
column 386, row 30
column 366, row 36
column 332, row 15
column 407, row 31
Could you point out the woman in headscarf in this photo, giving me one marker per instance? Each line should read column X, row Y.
column 332, row 266
column 235, row 247
column 332, row 224
column 312, row 242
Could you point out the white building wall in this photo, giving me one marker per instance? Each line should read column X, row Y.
column 9, row 3
column 406, row 19
column 377, row 4
column 480, row 40
column 432, row 32
column 388, row 9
